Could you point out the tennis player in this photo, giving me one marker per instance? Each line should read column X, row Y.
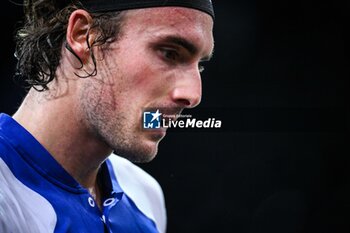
column 92, row 66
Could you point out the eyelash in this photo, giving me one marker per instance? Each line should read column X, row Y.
column 174, row 57
column 170, row 54
column 201, row 68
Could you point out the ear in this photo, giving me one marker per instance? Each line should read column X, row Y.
column 77, row 32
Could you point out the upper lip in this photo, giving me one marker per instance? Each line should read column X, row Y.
column 171, row 113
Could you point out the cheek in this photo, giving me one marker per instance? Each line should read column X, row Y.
column 138, row 77
column 146, row 79
column 97, row 97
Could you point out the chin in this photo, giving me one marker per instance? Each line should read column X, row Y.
column 139, row 153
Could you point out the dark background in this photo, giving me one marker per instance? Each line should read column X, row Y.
column 279, row 81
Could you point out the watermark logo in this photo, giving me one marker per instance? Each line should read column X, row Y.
column 156, row 120
column 152, row 120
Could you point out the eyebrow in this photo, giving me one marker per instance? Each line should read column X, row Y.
column 187, row 45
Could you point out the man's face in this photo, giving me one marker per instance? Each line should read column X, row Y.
column 154, row 64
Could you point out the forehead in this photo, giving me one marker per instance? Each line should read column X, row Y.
column 168, row 13
column 190, row 23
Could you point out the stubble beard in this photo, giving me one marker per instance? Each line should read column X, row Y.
column 123, row 142
column 114, row 127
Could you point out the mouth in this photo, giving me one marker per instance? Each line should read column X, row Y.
column 156, row 120
column 156, row 135
column 171, row 113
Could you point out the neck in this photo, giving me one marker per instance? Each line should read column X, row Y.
column 56, row 124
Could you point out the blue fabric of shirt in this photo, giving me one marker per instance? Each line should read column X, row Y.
column 76, row 211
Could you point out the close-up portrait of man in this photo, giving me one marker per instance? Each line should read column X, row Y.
column 174, row 116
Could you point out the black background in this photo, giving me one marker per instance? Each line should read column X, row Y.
column 279, row 80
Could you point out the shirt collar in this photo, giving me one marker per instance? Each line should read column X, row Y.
column 42, row 161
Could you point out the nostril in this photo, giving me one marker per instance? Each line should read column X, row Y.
column 184, row 102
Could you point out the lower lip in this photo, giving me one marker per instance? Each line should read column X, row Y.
column 159, row 133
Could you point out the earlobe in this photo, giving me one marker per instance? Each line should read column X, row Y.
column 78, row 37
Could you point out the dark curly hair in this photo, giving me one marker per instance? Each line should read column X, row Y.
column 40, row 40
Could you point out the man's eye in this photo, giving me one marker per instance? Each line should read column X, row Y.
column 170, row 54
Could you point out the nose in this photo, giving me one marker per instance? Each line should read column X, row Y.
column 188, row 88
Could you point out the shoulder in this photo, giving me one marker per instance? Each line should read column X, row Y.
column 142, row 188
column 21, row 208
